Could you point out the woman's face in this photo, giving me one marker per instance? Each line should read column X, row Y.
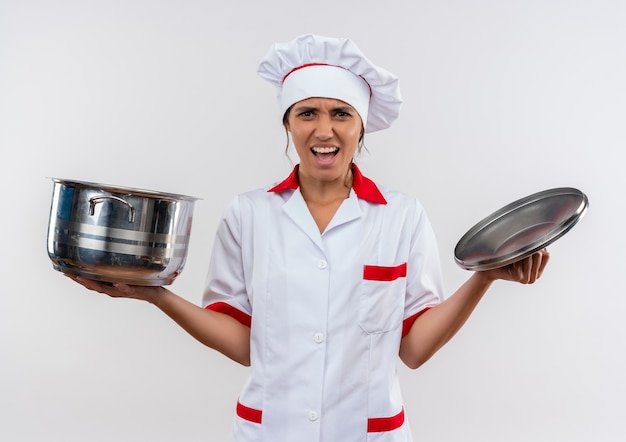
column 325, row 133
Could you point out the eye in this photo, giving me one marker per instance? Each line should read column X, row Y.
column 305, row 114
column 343, row 113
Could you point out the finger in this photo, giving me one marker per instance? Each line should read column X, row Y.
column 98, row 286
column 126, row 289
column 525, row 269
column 517, row 271
column 545, row 257
column 540, row 260
column 535, row 259
column 82, row 281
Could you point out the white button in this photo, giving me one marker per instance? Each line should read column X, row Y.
column 319, row 338
column 313, row 416
column 322, row 264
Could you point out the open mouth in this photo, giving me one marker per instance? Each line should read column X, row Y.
column 325, row 152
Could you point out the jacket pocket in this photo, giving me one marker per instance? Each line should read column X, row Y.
column 381, row 303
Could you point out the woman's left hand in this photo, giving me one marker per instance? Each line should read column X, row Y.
column 526, row 271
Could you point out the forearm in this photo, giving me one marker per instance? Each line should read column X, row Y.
column 435, row 327
column 216, row 330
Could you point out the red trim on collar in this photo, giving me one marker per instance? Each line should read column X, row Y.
column 291, row 182
column 363, row 187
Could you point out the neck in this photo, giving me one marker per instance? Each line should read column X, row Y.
column 325, row 191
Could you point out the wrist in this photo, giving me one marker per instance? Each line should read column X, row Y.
column 156, row 297
column 484, row 278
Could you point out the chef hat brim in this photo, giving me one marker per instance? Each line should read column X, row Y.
column 308, row 67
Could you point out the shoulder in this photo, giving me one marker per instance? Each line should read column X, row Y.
column 397, row 198
column 404, row 208
column 255, row 199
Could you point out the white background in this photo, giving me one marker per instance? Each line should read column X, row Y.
column 502, row 99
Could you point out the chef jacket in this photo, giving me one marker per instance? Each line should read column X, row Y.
column 327, row 310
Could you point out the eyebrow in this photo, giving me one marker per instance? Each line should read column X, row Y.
column 347, row 109
column 304, row 109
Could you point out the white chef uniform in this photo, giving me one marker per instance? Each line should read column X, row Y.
column 327, row 311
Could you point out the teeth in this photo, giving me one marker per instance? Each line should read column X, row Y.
column 325, row 149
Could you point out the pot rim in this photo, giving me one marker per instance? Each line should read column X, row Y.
column 123, row 190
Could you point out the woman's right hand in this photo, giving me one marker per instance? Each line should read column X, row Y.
column 118, row 290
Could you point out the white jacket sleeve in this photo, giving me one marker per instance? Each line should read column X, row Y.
column 225, row 288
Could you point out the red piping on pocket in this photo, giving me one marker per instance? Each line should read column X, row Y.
column 381, row 424
column 384, row 273
column 249, row 414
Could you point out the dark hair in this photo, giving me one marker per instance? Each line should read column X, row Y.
column 286, row 122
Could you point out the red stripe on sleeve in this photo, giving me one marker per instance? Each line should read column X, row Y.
column 222, row 307
column 408, row 322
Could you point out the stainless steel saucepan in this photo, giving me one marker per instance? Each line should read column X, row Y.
column 118, row 234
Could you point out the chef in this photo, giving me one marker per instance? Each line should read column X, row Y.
column 320, row 281
column 329, row 269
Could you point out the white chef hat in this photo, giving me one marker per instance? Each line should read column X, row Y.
column 316, row 66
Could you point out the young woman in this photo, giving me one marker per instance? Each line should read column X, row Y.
column 321, row 281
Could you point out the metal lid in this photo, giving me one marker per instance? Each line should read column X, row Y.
column 520, row 229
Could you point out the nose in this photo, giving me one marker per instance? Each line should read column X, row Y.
column 324, row 128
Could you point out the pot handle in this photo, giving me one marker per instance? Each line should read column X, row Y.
column 97, row 199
